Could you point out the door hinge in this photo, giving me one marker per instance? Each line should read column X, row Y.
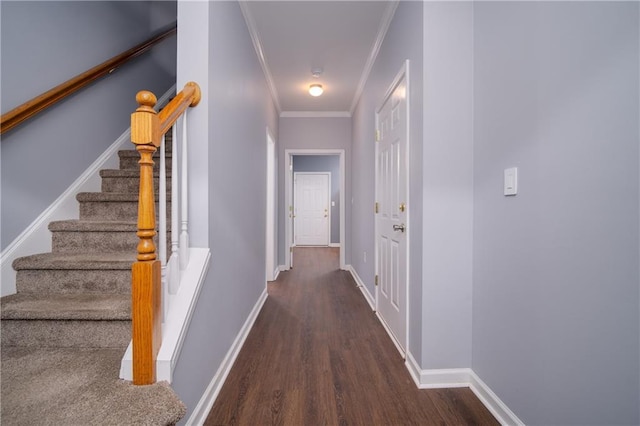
column 290, row 249
column 377, row 135
column 376, row 280
column 376, row 207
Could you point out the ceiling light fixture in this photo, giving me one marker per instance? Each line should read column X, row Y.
column 316, row 89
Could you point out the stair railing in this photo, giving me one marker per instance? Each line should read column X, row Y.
column 148, row 128
column 41, row 102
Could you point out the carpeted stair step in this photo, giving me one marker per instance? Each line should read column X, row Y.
column 86, row 236
column 128, row 180
column 74, row 273
column 79, row 387
column 116, row 206
column 80, row 236
column 66, row 320
column 129, row 158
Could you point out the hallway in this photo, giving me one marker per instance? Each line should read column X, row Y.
column 317, row 355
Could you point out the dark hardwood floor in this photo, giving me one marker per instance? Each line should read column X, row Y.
column 317, row 355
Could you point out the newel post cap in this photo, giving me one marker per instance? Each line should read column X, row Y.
column 145, row 124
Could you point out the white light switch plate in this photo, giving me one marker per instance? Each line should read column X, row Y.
column 511, row 181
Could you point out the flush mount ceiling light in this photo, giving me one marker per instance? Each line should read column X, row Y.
column 316, row 89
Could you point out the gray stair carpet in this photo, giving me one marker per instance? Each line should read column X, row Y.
column 66, row 329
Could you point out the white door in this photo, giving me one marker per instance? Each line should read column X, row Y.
column 391, row 217
column 311, row 209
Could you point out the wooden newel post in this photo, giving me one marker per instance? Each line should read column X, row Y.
column 146, row 314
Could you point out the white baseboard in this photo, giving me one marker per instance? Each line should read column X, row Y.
column 334, row 244
column 282, row 268
column 462, row 377
column 276, row 272
column 437, row 378
column 36, row 237
column 181, row 308
column 363, row 288
column 201, row 411
column 494, row 404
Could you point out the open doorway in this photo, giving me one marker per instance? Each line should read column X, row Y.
column 326, row 166
column 270, row 238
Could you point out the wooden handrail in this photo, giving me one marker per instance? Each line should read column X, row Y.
column 32, row 107
column 147, row 128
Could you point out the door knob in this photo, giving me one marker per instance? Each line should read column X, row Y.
column 400, row 227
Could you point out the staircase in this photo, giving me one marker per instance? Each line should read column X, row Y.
column 65, row 330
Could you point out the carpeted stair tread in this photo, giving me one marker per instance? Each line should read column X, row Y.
column 130, row 157
column 107, row 196
column 78, row 387
column 87, row 307
column 75, row 225
column 83, row 261
column 127, row 173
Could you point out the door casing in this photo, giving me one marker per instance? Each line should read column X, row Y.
column 288, row 186
column 271, row 249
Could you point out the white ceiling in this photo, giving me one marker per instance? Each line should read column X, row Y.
column 292, row 37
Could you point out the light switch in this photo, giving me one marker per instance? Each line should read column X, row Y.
column 333, row 204
column 511, row 181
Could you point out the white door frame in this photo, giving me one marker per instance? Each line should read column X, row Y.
column 288, row 198
column 270, row 238
column 403, row 73
column 328, row 174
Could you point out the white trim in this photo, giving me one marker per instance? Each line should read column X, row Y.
column 494, row 404
column 288, row 186
column 382, row 32
column 276, row 273
column 181, row 308
column 282, row 268
column 315, row 114
column 36, row 237
column 363, row 288
column 271, row 211
column 201, row 410
column 334, row 244
column 462, row 377
column 257, row 44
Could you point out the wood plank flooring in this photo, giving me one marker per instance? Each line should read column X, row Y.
column 317, row 355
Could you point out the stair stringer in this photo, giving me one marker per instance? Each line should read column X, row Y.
column 176, row 325
column 36, row 238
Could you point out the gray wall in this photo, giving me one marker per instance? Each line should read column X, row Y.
column 42, row 45
column 312, row 133
column 239, row 109
column 447, row 185
column 403, row 41
column 555, row 292
column 324, row 163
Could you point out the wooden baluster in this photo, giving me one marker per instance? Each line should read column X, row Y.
column 145, row 273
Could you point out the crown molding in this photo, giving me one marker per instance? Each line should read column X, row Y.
column 382, row 32
column 255, row 38
column 315, row 114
